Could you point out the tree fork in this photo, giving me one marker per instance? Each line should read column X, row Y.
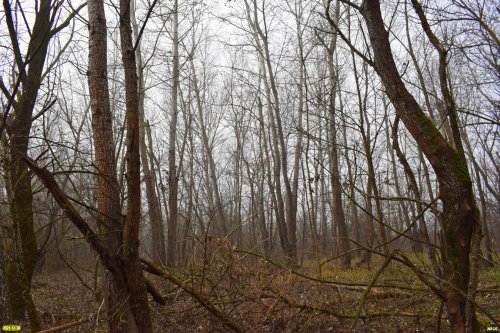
column 459, row 208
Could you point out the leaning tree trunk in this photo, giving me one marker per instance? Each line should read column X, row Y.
column 460, row 215
column 281, row 155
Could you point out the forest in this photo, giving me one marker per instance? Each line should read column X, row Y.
column 249, row 166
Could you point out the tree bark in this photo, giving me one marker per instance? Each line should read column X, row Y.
column 108, row 190
column 20, row 271
column 4, row 291
column 138, row 299
column 459, row 208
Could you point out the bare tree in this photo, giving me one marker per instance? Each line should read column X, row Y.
column 460, row 217
column 154, row 208
column 173, row 180
column 22, row 100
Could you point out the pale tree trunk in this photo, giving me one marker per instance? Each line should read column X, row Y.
column 338, row 210
column 292, row 201
column 154, row 212
column 265, row 232
column 238, row 184
column 281, row 155
column 189, row 183
column 309, row 202
column 403, row 213
column 173, row 181
column 482, row 199
column 267, row 152
column 220, row 217
column 275, row 183
column 404, row 208
column 323, row 194
column 356, row 225
column 364, row 128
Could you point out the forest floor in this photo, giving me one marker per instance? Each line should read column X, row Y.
column 260, row 296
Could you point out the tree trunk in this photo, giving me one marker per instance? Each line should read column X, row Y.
column 338, row 209
column 138, row 299
column 4, row 291
column 173, row 181
column 154, row 212
column 459, row 208
column 289, row 207
column 108, row 192
column 220, row 216
column 20, row 272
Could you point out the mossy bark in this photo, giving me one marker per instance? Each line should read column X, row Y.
column 459, row 216
column 21, row 269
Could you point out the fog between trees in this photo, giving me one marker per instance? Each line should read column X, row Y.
column 204, row 145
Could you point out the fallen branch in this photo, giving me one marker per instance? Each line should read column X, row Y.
column 64, row 326
column 342, row 315
column 364, row 297
column 338, row 284
column 227, row 321
column 157, row 297
column 379, row 293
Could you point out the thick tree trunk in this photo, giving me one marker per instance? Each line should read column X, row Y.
column 21, row 271
column 459, row 208
column 108, row 192
column 127, row 302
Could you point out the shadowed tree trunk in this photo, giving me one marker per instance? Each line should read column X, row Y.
column 4, row 292
column 18, row 125
column 213, row 185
